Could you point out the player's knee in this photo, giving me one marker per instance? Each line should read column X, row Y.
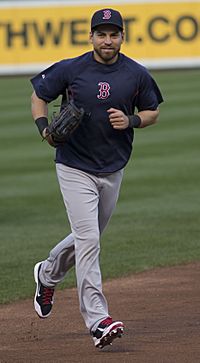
column 88, row 239
column 91, row 239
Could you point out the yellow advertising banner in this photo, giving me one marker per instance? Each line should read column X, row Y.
column 154, row 32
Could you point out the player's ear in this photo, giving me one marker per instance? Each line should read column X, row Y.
column 122, row 37
column 91, row 37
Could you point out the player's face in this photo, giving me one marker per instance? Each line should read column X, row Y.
column 106, row 40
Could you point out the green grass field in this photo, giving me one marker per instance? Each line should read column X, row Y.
column 157, row 219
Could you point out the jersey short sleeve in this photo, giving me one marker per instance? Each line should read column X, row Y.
column 52, row 82
column 149, row 95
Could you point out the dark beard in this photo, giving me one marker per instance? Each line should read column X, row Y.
column 107, row 57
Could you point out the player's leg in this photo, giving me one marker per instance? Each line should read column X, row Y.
column 109, row 194
column 51, row 271
column 104, row 332
column 81, row 198
column 61, row 259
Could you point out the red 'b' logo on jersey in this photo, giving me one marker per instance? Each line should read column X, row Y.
column 104, row 89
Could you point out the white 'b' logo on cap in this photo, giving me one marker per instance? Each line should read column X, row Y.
column 106, row 14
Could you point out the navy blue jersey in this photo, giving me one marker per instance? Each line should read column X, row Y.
column 96, row 147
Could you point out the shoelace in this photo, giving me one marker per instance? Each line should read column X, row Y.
column 47, row 295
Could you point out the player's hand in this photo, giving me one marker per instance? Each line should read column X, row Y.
column 48, row 137
column 118, row 119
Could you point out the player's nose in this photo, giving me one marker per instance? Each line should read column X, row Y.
column 108, row 40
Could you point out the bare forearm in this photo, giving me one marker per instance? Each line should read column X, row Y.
column 121, row 121
column 39, row 110
column 148, row 117
column 38, row 107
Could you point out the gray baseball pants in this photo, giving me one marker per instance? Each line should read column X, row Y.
column 89, row 202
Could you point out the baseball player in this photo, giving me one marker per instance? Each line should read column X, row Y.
column 118, row 95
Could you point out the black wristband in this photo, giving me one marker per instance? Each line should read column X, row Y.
column 134, row 121
column 41, row 123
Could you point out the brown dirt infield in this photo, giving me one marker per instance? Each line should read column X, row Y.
column 160, row 309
